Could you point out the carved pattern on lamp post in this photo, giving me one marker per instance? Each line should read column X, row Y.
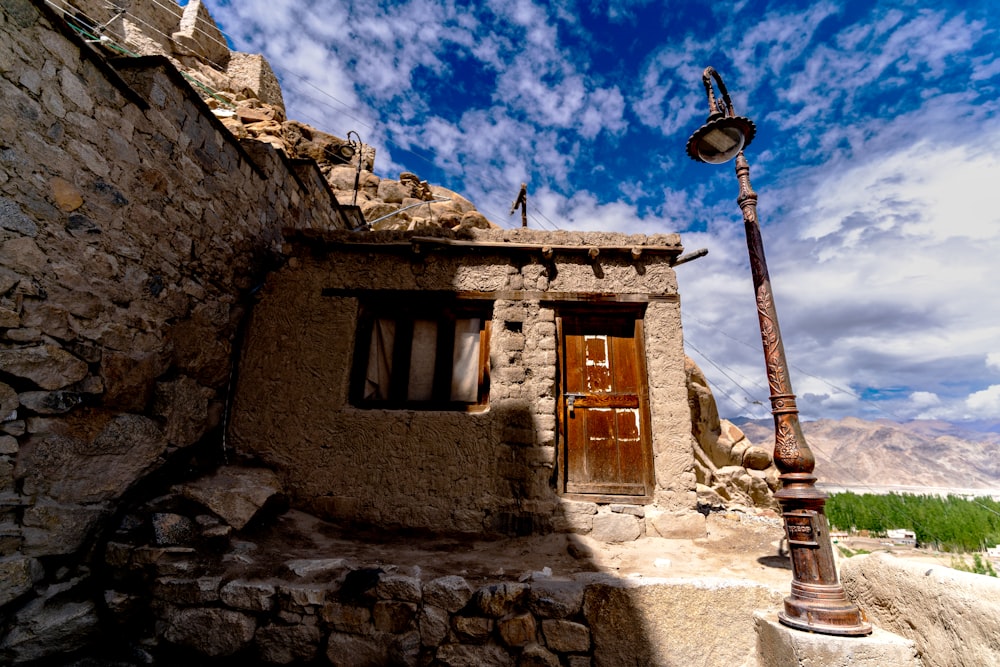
column 818, row 602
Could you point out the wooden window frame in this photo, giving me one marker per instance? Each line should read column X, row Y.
column 405, row 311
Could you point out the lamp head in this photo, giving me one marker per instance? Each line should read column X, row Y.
column 345, row 152
column 721, row 138
column 724, row 134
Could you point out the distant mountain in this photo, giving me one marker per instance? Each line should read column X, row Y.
column 856, row 453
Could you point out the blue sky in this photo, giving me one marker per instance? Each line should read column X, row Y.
column 875, row 162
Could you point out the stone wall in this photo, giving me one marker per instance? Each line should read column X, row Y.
column 188, row 588
column 489, row 471
column 132, row 226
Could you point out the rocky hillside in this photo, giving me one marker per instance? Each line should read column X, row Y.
column 853, row 452
column 244, row 94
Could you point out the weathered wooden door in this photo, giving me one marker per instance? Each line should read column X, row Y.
column 603, row 406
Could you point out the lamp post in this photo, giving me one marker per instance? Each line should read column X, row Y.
column 817, row 602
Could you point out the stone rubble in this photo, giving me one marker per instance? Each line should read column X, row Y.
column 193, row 594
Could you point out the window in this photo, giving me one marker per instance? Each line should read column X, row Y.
column 417, row 354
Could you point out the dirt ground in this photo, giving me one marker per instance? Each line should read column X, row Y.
column 737, row 546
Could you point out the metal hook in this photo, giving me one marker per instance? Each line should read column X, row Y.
column 713, row 106
column 357, row 171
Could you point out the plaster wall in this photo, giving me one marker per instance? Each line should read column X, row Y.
column 490, row 471
column 953, row 617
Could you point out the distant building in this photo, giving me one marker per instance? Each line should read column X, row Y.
column 902, row 537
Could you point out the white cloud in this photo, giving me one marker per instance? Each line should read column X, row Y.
column 985, row 403
column 993, row 360
column 924, row 399
column 876, row 54
column 667, row 100
column 876, row 201
column 771, row 44
column 884, row 276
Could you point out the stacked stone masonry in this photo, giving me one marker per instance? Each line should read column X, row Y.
column 188, row 587
column 133, row 226
column 337, row 613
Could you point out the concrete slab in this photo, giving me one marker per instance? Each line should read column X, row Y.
column 781, row 646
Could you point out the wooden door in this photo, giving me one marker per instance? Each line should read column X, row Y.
column 603, row 407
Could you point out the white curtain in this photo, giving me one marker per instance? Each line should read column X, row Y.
column 423, row 356
column 465, row 361
column 380, row 360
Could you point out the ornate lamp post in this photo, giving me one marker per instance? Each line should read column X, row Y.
column 818, row 602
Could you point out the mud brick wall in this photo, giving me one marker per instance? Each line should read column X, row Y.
column 488, row 471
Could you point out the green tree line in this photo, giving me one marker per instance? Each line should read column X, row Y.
column 950, row 523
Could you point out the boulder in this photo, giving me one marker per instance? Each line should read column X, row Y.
column 574, row 517
column 392, row 192
column 756, row 458
column 50, row 626
column 248, row 595
column 51, row 529
column 9, row 402
column 48, row 366
column 285, row 644
column 50, row 402
column 183, row 405
column 78, row 469
column 213, row 632
column 234, row 494
column 705, row 425
column 518, row 630
column 550, row 598
column 678, row 525
column 433, row 623
column 613, row 527
column 463, row 655
column 474, row 220
column 497, row 600
column 566, row 636
column 450, row 593
column 18, row 575
column 344, row 650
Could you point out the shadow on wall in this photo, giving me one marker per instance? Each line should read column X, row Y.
column 180, row 583
column 218, row 567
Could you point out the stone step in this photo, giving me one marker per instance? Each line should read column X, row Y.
column 781, row 646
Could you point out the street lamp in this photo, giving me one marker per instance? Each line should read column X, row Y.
column 818, row 602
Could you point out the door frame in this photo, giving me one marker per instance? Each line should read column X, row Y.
column 635, row 312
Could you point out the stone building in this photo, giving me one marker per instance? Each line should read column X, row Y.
column 490, row 381
column 181, row 299
column 135, row 229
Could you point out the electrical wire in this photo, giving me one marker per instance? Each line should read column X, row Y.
column 831, row 461
column 750, row 397
column 837, row 389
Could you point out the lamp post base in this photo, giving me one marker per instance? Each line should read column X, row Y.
column 823, row 609
column 818, row 602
